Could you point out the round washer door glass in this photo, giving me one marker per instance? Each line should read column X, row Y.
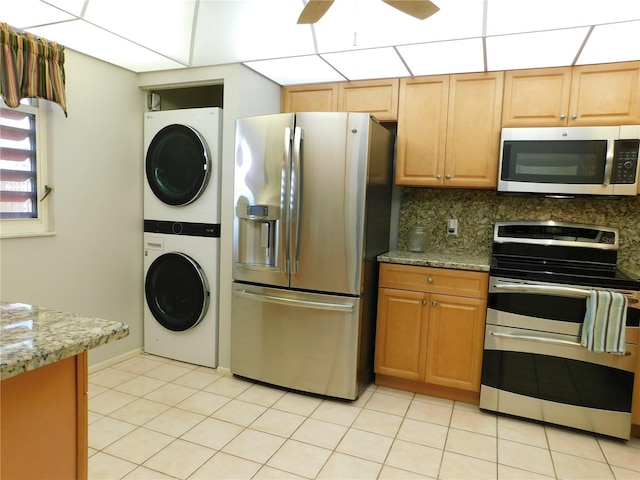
column 178, row 165
column 177, row 291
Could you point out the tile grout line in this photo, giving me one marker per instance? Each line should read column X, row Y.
column 271, row 407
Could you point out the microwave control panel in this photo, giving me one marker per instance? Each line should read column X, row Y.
column 625, row 162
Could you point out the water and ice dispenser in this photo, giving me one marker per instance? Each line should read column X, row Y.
column 258, row 237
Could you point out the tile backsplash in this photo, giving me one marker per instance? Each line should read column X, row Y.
column 478, row 210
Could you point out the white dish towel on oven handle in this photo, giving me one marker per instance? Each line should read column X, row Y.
column 604, row 324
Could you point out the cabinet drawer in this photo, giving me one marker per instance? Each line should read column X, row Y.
column 434, row 280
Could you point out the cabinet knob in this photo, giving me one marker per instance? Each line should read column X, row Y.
column 574, row 116
column 424, row 302
column 563, row 116
column 447, row 176
column 430, row 279
column 434, row 303
column 438, row 176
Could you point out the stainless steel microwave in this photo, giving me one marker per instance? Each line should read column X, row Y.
column 570, row 160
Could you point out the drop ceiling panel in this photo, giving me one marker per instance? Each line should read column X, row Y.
column 351, row 24
column 553, row 48
column 91, row 40
column 162, row 26
column 74, row 7
column 297, row 70
column 454, row 56
column 244, row 30
column 372, row 63
column 612, row 43
column 26, row 13
column 510, row 16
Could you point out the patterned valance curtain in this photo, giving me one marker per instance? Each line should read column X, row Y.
column 30, row 67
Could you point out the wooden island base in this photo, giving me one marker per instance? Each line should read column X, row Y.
column 43, row 422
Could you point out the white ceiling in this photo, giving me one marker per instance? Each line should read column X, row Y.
column 356, row 39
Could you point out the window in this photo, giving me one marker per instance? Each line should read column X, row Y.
column 23, row 172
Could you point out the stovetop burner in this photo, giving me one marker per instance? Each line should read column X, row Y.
column 555, row 252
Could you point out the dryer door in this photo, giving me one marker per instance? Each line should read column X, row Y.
column 177, row 291
column 178, row 165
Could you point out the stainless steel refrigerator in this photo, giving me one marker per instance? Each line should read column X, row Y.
column 312, row 198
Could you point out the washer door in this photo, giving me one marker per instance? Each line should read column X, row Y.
column 177, row 291
column 178, row 165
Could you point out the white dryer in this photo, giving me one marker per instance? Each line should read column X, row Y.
column 182, row 161
column 181, row 291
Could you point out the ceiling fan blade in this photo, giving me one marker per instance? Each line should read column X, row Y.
column 416, row 8
column 314, row 10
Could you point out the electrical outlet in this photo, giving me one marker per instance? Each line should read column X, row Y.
column 452, row 227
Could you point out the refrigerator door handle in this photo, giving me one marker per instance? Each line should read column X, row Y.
column 339, row 307
column 295, row 198
column 284, row 183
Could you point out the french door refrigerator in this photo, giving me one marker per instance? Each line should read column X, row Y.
column 312, row 198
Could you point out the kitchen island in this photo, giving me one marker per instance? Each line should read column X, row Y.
column 43, row 389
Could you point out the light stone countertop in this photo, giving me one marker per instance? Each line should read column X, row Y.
column 459, row 261
column 32, row 337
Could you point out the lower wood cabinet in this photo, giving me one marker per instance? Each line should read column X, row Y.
column 430, row 330
column 43, row 422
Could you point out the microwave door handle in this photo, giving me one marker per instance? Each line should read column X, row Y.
column 608, row 167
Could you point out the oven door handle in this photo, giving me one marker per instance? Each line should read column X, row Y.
column 551, row 290
column 534, row 338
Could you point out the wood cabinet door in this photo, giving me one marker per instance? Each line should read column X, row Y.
column 473, row 130
column 378, row 97
column 401, row 334
column 455, row 341
column 44, row 426
column 607, row 94
column 536, row 98
column 422, row 130
column 320, row 97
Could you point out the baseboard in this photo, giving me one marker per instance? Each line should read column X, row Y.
column 466, row 396
column 112, row 361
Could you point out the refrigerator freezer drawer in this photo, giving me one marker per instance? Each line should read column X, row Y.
column 298, row 340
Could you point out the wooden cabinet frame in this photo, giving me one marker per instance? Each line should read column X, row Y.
column 44, row 424
column 430, row 330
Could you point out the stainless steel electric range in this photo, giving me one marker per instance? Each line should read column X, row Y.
column 533, row 363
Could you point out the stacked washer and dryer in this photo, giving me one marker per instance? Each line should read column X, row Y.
column 182, row 233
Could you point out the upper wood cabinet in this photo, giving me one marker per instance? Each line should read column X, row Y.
column 536, row 98
column 320, row 97
column 449, row 130
column 606, row 94
column 378, row 97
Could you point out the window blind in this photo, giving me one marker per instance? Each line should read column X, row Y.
column 18, row 168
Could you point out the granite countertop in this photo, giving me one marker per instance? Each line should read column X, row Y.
column 32, row 337
column 460, row 261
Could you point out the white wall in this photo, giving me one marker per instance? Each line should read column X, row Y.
column 246, row 93
column 93, row 263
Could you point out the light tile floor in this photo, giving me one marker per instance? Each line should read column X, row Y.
column 154, row 418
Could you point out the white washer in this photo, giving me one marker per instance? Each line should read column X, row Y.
column 181, row 292
column 182, row 158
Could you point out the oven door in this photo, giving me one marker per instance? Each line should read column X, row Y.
column 534, row 366
column 552, row 378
